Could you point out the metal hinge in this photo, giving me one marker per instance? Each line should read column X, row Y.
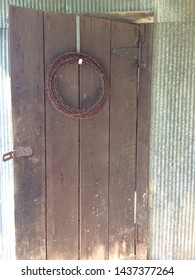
column 132, row 53
column 18, row 152
column 143, row 47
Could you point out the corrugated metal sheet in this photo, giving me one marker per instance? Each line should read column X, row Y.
column 175, row 10
column 6, row 170
column 172, row 150
column 172, row 157
column 74, row 6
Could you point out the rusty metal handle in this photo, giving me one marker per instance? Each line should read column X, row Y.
column 8, row 156
column 18, row 152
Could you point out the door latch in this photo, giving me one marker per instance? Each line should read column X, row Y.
column 18, row 152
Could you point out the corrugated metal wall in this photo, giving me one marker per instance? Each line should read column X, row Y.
column 6, row 170
column 172, row 152
column 172, row 144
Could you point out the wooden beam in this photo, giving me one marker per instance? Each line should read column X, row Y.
column 27, row 87
column 137, row 17
column 61, row 144
column 95, row 40
column 123, row 112
column 143, row 133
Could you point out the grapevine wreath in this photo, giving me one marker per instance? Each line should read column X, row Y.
column 51, row 85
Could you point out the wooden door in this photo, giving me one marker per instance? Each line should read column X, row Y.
column 83, row 192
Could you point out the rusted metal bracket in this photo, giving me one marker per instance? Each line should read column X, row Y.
column 18, row 152
column 132, row 53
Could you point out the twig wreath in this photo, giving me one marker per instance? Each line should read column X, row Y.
column 51, row 85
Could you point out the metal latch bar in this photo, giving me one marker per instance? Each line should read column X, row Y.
column 18, row 152
column 8, row 156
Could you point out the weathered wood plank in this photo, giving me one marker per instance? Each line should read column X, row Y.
column 27, row 86
column 61, row 147
column 138, row 17
column 123, row 112
column 91, row 165
column 143, row 131
column 95, row 40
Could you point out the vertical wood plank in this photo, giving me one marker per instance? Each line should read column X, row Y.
column 27, row 86
column 94, row 135
column 61, row 146
column 122, row 142
column 143, row 132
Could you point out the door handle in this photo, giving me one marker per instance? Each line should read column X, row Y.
column 18, row 152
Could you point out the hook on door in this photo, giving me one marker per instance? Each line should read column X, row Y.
column 18, row 152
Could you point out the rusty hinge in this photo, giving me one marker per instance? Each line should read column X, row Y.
column 18, row 152
column 143, row 46
column 132, row 53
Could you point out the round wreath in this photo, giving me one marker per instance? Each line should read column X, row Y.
column 51, row 85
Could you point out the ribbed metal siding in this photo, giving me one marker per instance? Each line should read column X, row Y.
column 172, row 149
column 82, row 6
column 6, row 170
column 175, row 10
column 172, row 153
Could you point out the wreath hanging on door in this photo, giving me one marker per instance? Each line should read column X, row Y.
column 51, row 85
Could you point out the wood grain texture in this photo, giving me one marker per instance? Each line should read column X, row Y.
column 143, row 132
column 74, row 198
column 61, row 147
column 27, row 86
column 123, row 112
column 94, row 149
column 138, row 17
